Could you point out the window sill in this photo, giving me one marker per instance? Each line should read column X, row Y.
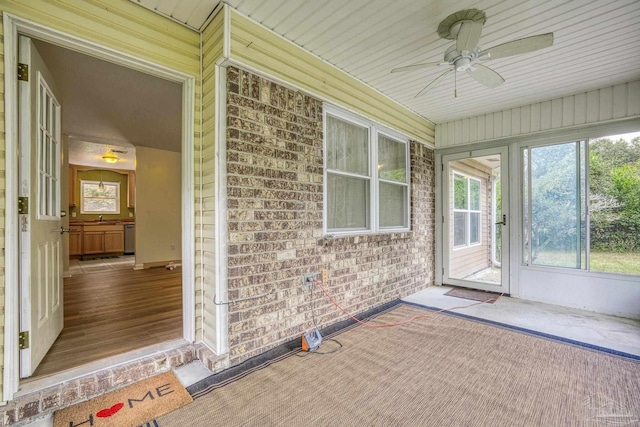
column 363, row 237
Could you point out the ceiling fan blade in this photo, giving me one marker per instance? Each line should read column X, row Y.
column 434, row 83
column 516, row 47
column 468, row 36
column 485, row 76
column 418, row 66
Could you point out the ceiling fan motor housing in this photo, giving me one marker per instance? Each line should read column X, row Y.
column 461, row 61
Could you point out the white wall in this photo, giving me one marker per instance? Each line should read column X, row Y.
column 606, row 111
column 158, row 206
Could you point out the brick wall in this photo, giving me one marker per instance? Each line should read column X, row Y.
column 275, row 199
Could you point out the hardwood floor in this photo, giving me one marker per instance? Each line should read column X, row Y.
column 112, row 312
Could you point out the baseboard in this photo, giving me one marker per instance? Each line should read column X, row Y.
column 275, row 354
column 157, row 264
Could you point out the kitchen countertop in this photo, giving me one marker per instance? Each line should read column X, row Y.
column 98, row 222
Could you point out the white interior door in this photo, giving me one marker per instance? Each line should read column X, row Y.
column 41, row 292
column 475, row 211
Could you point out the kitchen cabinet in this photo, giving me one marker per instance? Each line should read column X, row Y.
column 102, row 239
column 75, row 240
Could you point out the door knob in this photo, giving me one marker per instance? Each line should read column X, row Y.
column 62, row 230
column 503, row 222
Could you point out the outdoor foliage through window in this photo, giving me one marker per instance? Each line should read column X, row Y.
column 100, row 200
column 614, row 204
column 555, row 222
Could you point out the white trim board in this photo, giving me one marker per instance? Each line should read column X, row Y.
column 13, row 26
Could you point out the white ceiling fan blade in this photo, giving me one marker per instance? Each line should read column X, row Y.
column 516, row 47
column 485, row 76
column 468, row 36
column 434, row 83
column 418, row 66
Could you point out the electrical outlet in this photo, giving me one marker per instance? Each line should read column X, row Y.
column 73, row 214
column 130, row 214
column 325, row 276
column 307, row 280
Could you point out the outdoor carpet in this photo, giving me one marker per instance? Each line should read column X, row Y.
column 130, row 406
column 442, row 370
column 473, row 294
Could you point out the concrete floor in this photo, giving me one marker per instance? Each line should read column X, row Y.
column 611, row 332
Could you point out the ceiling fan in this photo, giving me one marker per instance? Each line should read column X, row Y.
column 465, row 27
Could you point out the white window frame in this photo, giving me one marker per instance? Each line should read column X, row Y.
column 106, row 183
column 375, row 129
column 48, row 184
column 468, row 211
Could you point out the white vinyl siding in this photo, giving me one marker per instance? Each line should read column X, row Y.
column 587, row 108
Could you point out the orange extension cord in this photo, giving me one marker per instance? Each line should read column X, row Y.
column 403, row 322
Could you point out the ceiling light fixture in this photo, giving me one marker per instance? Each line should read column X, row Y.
column 110, row 158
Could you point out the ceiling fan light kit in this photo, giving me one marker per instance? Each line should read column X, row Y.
column 110, row 158
column 465, row 27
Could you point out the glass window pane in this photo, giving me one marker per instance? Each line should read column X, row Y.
column 555, row 206
column 459, row 228
column 347, row 146
column 392, row 160
column 99, row 205
column 459, row 191
column 614, row 204
column 347, row 202
column 474, row 196
column 96, row 199
column 393, row 205
column 474, row 228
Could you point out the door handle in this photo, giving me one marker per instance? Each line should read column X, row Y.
column 503, row 222
column 62, row 230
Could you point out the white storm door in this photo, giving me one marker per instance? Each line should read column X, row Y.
column 475, row 212
column 41, row 291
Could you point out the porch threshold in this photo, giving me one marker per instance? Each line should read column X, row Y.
column 28, row 386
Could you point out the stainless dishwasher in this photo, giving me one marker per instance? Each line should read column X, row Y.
column 129, row 238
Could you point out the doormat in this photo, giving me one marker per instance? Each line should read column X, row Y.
column 472, row 294
column 130, row 406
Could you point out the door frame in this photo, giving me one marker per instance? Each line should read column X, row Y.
column 442, row 222
column 14, row 25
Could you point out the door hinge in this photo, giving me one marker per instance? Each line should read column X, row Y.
column 23, row 72
column 23, row 205
column 23, row 340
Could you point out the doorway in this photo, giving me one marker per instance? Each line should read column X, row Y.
column 14, row 218
column 475, row 212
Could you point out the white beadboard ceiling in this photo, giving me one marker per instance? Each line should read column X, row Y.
column 597, row 44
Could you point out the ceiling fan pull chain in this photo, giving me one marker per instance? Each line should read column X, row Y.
column 455, row 84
